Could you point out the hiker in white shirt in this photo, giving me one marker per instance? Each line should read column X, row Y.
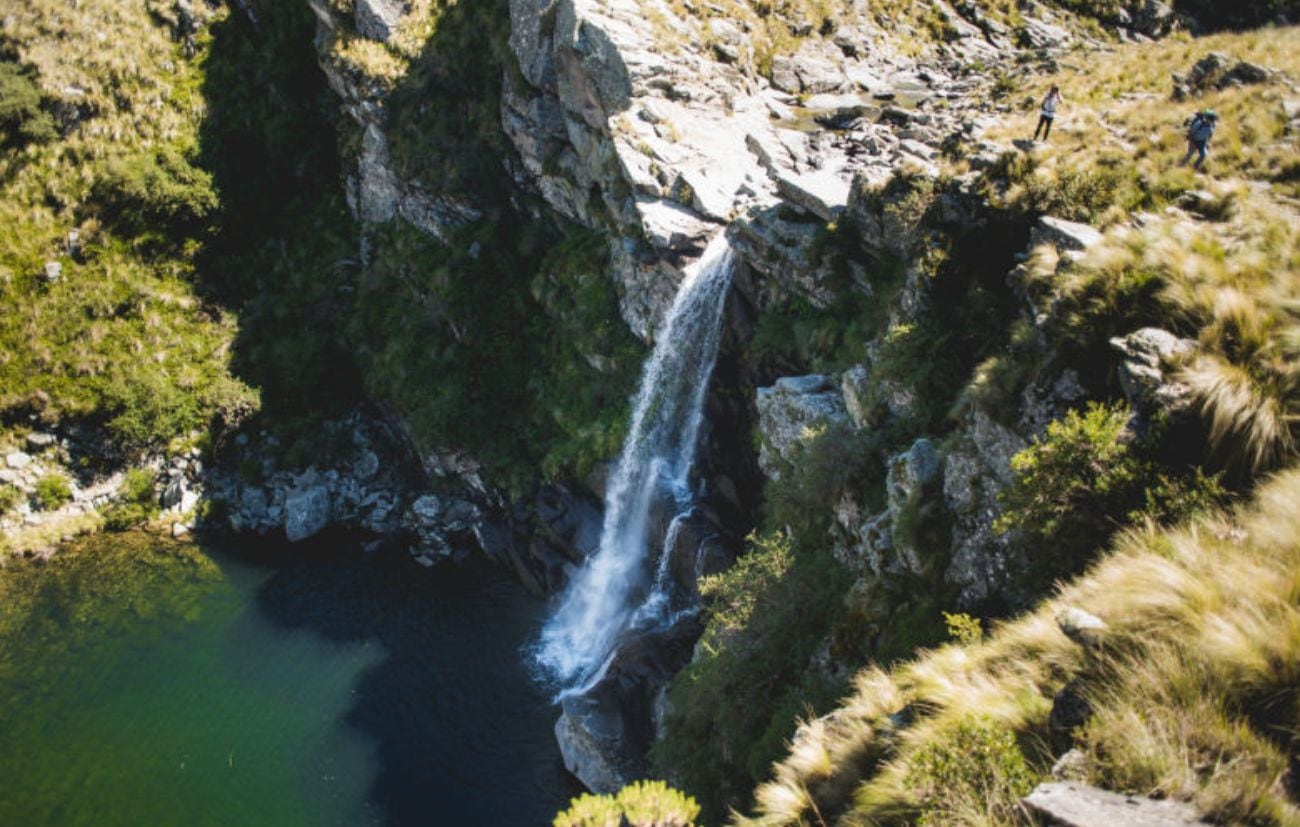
column 1048, row 112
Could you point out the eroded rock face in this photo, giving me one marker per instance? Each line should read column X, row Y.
column 667, row 145
column 975, row 472
column 378, row 19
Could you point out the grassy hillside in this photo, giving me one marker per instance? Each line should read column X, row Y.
column 103, row 210
column 1193, row 687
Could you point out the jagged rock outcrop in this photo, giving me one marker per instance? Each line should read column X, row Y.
column 976, row 470
column 375, row 193
column 618, row 123
column 1150, row 359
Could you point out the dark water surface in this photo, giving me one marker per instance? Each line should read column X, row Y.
column 144, row 683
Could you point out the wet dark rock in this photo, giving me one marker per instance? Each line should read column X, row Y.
column 1070, row 710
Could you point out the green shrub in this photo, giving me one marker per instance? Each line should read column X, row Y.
column 158, row 187
column 734, row 707
column 9, row 497
column 963, row 628
column 974, row 775
column 22, row 118
column 639, row 804
column 52, row 491
column 1083, row 480
column 835, row 460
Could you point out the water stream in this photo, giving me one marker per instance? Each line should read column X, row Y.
column 624, row 587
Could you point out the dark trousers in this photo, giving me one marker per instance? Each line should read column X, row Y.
column 1044, row 125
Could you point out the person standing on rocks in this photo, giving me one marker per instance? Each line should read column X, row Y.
column 1199, row 131
column 1048, row 113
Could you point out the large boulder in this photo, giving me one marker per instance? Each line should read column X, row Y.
column 1150, row 357
column 1218, row 71
column 438, row 522
column 586, row 742
column 306, row 511
column 1068, row 236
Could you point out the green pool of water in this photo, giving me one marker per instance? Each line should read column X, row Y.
column 146, row 683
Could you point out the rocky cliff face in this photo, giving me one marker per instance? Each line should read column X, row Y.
column 817, row 146
column 654, row 124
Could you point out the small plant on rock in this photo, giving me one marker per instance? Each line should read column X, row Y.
column 9, row 497
column 52, row 491
column 975, row 775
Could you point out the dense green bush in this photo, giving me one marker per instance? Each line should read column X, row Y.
column 52, row 491
column 639, row 804
column 1083, row 480
column 22, row 117
column 835, row 460
column 157, row 189
column 975, row 774
column 734, row 707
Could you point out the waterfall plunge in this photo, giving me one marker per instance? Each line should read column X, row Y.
column 623, row 587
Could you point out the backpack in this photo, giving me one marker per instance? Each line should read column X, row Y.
column 1201, row 129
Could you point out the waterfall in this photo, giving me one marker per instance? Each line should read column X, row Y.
column 623, row 587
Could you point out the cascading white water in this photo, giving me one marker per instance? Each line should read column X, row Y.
column 621, row 586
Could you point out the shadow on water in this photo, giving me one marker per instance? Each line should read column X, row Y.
column 463, row 734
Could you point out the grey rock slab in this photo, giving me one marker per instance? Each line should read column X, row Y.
column 378, row 19
column 17, row 460
column 586, row 757
column 307, row 511
column 1084, row 628
column 38, row 441
column 824, row 193
column 1066, row 235
column 672, row 226
column 1071, row 804
column 812, row 383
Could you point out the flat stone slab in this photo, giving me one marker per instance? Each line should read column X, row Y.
column 1067, row 235
column 823, row 193
column 1068, row 804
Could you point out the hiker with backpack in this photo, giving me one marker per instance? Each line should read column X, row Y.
column 1047, row 113
column 1199, row 131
